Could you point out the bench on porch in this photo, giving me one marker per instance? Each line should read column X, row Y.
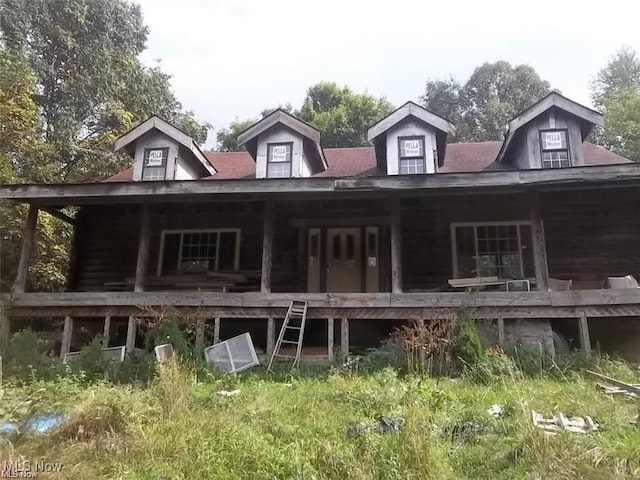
column 213, row 281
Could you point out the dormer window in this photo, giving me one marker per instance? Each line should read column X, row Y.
column 155, row 163
column 279, row 160
column 411, row 155
column 554, row 149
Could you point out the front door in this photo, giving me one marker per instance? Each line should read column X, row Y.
column 344, row 260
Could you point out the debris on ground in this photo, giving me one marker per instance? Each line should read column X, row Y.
column 631, row 390
column 381, row 425
column 560, row 422
column 9, row 430
column 226, row 393
column 462, row 430
column 44, row 423
column 495, row 411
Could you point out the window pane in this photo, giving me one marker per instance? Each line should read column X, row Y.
column 554, row 140
column 279, row 170
column 411, row 166
column 279, row 153
column 228, row 246
column 559, row 159
column 153, row 173
column 411, row 147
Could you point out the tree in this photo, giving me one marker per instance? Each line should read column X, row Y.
column 483, row 106
column 342, row 116
column 228, row 137
column 90, row 85
column 616, row 93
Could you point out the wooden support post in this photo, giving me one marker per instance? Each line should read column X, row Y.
column 271, row 336
column 585, row 340
column 5, row 330
column 267, row 248
column 501, row 333
column 539, row 249
column 200, row 326
column 132, row 331
column 67, row 333
column 28, row 235
column 396, row 247
column 216, row 330
column 344, row 339
column 330, row 356
column 141, row 269
column 106, row 332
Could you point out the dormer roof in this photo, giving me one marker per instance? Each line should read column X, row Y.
column 442, row 126
column 310, row 135
column 127, row 141
column 588, row 118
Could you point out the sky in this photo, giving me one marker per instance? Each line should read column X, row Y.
column 230, row 59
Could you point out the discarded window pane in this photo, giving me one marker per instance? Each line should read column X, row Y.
column 233, row 355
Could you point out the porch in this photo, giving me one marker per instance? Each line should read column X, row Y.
column 364, row 257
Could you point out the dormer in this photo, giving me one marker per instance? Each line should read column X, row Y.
column 548, row 134
column 163, row 152
column 410, row 140
column 284, row 147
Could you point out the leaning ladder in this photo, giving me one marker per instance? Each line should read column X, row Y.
column 294, row 321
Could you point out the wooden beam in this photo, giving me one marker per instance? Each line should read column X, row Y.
column 132, row 332
column 200, row 326
column 330, row 343
column 216, row 330
column 143, row 249
column 58, row 214
column 106, row 333
column 344, row 339
column 267, row 248
column 585, row 340
column 67, row 333
column 539, row 247
column 271, row 336
column 396, row 246
column 28, row 240
column 501, row 333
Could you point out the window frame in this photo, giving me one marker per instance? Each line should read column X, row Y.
column 543, row 150
column 165, row 161
column 402, row 157
column 290, row 161
column 475, row 225
column 163, row 233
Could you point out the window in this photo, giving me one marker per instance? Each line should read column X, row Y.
column 198, row 251
column 554, row 148
column 502, row 250
column 279, row 160
column 154, row 163
column 411, row 155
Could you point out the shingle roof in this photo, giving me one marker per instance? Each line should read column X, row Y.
column 361, row 161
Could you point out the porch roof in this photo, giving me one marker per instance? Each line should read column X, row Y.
column 443, row 183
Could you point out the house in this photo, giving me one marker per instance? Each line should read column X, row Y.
column 409, row 229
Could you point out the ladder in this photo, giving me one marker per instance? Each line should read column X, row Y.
column 293, row 323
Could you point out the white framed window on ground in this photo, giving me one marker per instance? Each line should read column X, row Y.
column 198, row 251
column 500, row 249
column 411, row 155
column 554, row 148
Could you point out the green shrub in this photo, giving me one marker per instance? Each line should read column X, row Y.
column 468, row 345
column 22, row 359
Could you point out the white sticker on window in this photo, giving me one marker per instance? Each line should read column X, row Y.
column 155, row 158
column 552, row 140
column 411, row 148
column 279, row 153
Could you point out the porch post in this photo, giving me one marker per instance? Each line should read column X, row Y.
column 271, row 336
column 67, row 332
column 216, row 330
column 141, row 268
column 396, row 247
column 539, row 249
column 267, row 248
column 585, row 340
column 200, row 326
column 344, row 339
column 330, row 340
column 5, row 330
column 28, row 235
column 107, row 331
column 501, row 333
